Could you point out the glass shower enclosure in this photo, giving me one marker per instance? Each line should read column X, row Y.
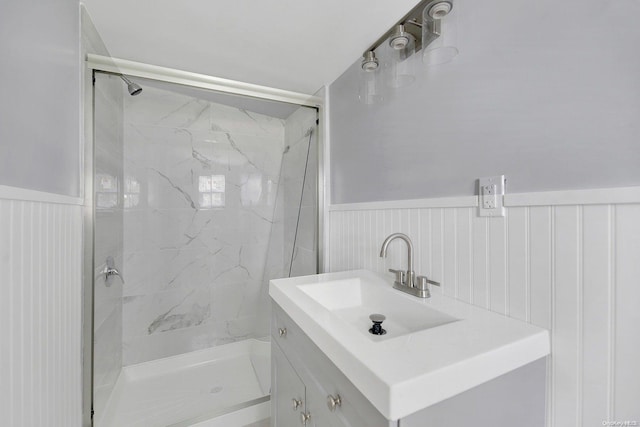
column 199, row 199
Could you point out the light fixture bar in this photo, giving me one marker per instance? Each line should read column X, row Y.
column 412, row 22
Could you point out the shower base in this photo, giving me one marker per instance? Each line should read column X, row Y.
column 226, row 385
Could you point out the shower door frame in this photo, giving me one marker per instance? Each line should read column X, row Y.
column 137, row 69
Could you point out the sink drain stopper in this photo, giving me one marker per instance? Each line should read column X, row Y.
column 377, row 320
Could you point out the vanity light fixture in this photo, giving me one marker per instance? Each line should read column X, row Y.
column 369, row 62
column 438, row 35
column 428, row 27
column 399, row 61
column 399, row 39
column 439, row 10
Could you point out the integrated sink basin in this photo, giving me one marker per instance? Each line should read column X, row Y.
column 435, row 348
column 354, row 300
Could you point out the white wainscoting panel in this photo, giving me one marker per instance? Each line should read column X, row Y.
column 574, row 269
column 40, row 309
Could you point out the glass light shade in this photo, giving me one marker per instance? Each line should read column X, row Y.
column 370, row 90
column 443, row 48
column 399, row 65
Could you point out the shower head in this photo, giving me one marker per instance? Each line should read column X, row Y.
column 133, row 88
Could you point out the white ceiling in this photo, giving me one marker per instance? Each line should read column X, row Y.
column 298, row 45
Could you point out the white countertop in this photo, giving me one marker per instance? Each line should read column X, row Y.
column 404, row 374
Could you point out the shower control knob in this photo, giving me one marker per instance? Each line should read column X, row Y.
column 304, row 417
column 333, row 402
column 282, row 332
column 296, row 403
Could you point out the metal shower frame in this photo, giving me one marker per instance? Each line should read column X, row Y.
column 137, row 69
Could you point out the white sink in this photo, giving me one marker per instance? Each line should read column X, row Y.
column 434, row 349
column 353, row 301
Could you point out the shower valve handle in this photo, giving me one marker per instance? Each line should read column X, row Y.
column 111, row 270
column 334, row 402
column 296, row 403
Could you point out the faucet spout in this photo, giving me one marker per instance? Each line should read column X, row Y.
column 407, row 240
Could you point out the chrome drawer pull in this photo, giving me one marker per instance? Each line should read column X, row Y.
column 333, row 402
column 282, row 332
column 296, row 403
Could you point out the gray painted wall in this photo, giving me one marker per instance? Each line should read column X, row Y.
column 40, row 95
column 545, row 92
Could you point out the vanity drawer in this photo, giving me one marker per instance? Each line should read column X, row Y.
column 323, row 380
column 285, row 331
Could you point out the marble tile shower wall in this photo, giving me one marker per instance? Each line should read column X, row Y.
column 200, row 187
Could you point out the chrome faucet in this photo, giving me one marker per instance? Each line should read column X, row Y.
column 401, row 277
column 406, row 281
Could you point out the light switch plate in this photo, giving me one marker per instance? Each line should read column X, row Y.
column 491, row 192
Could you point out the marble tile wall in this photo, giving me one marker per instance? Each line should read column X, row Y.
column 108, row 198
column 200, row 188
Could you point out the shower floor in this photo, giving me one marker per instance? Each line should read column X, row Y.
column 195, row 386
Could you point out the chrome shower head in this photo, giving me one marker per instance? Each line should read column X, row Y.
column 133, row 88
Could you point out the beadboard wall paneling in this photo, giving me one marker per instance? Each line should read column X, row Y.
column 570, row 268
column 40, row 308
column 625, row 399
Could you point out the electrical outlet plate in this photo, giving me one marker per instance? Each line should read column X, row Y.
column 491, row 196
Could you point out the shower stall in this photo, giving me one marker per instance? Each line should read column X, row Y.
column 200, row 198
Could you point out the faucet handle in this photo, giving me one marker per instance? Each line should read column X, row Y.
column 423, row 283
column 400, row 275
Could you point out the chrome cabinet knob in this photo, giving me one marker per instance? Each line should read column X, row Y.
column 282, row 332
column 296, row 403
column 333, row 402
column 304, row 417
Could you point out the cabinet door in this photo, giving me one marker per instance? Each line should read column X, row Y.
column 287, row 391
column 318, row 410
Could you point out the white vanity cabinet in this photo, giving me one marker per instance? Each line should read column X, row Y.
column 306, row 385
column 301, row 372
